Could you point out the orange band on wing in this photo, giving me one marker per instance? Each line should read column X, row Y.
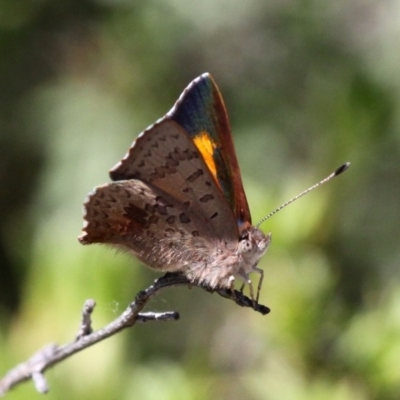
column 206, row 147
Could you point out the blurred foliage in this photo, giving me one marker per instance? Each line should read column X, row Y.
column 308, row 85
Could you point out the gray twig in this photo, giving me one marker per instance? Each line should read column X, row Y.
column 86, row 322
column 52, row 354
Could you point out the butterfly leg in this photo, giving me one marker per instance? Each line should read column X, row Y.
column 261, row 272
column 232, row 285
column 248, row 281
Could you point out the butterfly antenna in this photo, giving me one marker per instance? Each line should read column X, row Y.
column 341, row 169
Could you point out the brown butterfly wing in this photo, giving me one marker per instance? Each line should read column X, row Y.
column 200, row 112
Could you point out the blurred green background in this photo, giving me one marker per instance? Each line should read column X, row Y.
column 308, row 85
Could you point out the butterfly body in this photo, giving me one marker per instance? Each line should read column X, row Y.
column 177, row 201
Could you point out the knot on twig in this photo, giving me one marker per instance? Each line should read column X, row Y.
column 141, row 298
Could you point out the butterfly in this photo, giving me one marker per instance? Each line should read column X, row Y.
column 177, row 201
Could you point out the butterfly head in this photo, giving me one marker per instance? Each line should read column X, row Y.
column 253, row 244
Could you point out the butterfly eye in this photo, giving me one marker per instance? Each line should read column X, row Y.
column 245, row 246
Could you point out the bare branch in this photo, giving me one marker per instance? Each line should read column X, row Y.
column 52, row 354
